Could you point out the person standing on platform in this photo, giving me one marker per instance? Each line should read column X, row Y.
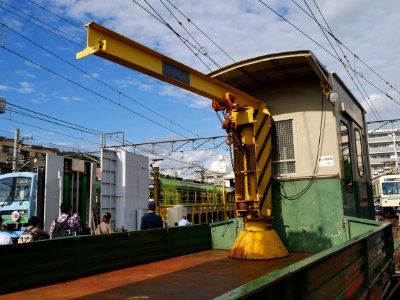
column 33, row 232
column 151, row 219
column 105, row 226
column 4, row 238
column 183, row 221
column 65, row 225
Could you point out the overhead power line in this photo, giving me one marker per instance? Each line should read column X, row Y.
column 50, row 130
column 199, row 29
column 188, row 44
column 98, row 80
column 89, row 90
column 91, row 76
column 201, row 48
column 54, row 30
column 330, row 53
column 327, row 32
column 58, row 16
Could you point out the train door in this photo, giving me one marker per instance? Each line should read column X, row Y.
column 362, row 182
column 350, row 208
column 355, row 179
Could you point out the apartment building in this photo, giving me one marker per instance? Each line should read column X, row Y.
column 28, row 156
column 384, row 150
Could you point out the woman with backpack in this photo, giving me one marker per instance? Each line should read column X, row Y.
column 65, row 225
column 33, row 232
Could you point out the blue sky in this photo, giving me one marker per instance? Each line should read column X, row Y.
column 39, row 72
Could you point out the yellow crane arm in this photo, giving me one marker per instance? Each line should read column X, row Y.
column 247, row 119
column 119, row 49
column 247, row 122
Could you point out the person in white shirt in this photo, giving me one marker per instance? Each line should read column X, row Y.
column 4, row 238
column 183, row 221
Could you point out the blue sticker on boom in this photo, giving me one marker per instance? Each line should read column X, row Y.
column 175, row 73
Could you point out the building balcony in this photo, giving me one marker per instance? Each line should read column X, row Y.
column 386, row 139
column 384, row 150
column 383, row 161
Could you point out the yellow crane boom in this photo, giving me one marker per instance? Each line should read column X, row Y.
column 119, row 49
column 247, row 121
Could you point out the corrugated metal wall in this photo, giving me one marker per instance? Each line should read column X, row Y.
column 43, row 262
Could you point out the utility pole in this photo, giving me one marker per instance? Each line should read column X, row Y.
column 156, row 187
column 395, row 150
column 15, row 153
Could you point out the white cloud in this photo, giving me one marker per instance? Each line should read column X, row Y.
column 24, row 73
column 379, row 103
column 91, row 76
column 189, row 99
column 31, row 65
column 71, row 99
column 5, row 87
column 144, row 85
column 243, row 29
column 25, row 87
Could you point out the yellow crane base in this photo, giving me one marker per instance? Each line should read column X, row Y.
column 258, row 241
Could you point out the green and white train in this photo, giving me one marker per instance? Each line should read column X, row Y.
column 203, row 203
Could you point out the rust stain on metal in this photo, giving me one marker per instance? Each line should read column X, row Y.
column 200, row 275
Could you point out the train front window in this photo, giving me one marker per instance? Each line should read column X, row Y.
column 14, row 189
column 390, row 188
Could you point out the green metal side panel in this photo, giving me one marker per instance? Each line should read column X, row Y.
column 314, row 221
column 83, row 198
column 66, row 187
column 102, row 253
column 224, row 233
column 365, row 202
column 350, row 270
column 357, row 226
column 43, row 262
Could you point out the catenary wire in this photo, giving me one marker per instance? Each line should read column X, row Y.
column 201, row 48
column 98, row 80
column 355, row 55
column 58, row 16
column 111, row 87
column 329, row 31
column 91, row 91
column 191, row 22
column 176, row 33
column 72, row 38
column 326, row 50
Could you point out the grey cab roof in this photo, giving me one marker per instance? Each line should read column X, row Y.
column 262, row 70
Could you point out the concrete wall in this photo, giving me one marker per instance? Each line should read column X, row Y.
column 53, row 193
column 124, row 187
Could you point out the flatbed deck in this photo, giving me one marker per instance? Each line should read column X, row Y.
column 201, row 275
